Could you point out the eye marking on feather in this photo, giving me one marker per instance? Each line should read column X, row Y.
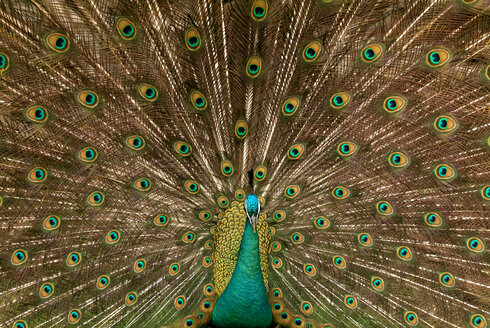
column 271, row 231
column 207, row 305
column 174, row 269
column 207, row 262
column 394, row 104
column 276, row 293
column 437, row 58
column 46, row 290
column 205, row 215
column 139, row 265
column 19, row 256
column 223, row 202
column 254, row 66
column 297, row 238
column 37, row 175
column 57, row 42
column 87, row 98
column 398, row 160
column 298, row 322
column 191, row 186
column 259, row 10
column 444, row 172
column 112, row 237
column 340, row 192
column 277, row 307
column 350, row 301
column 411, row 318
column 475, row 245
column 182, row 148
column 404, row 253
column 260, row 173
column 180, row 302
column 478, row 321
column 378, row 284
column 321, row 222
column 486, row 72
column 292, row 191
column 103, row 282
column 484, row 192
column 276, row 263
column 36, row 114
column 126, row 28
column 347, row 148
column 365, row 239
column 239, row 194
column 306, row 308
column 279, row 215
column 309, row 269
column 96, row 198
column 135, row 142
column 384, row 208
column 208, row 290
column 208, row 245
column 241, row 129
column 131, row 298
column 73, row 259
column 88, row 154
column 19, row 324
column 372, row 52
column 198, row 101
column 340, row 99
column 142, row 184
column 4, row 62
column 445, row 124
column 161, row 220
column 192, row 39
column 74, row 316
column 339, row 262
column 276, row 246
column 290, row 106
column 447, row 279
column 51, row 222
column 433, row 219
column 296, row 151
column 148, row 92
column 189, row 237
column 312, row 51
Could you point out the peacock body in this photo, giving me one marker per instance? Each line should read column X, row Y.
column 266, row 163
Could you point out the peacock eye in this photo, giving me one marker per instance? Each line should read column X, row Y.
column 36, row 114
column 254, row 66
column 277, row 263
column 290, row 106
column 339, row 262
column 126, row 29
column 475, row 245
column 73, row 259
column 485, row 192
column 384, row 208
column 180, row 302
column 350, row 301
column 188, row 237
column 198, row 100
column 398, row 160
column 437, row 58
column 37, row 175
column 312, row 51
column 365, row 239
column 321, row 222
column 394, row 104
column 46, row 290
column 377, row 283
column 142, row 184
column 306, row 308
column 309, row 269
column 148, row 92
column 297, row 238
column 411, row 318
column 58, row 42
column 51, row 222
column 259, row 10
column 74, row 316
column 340, row 192
column 445, row 124
column 192, row 187
column 103, row 282
column 87, row 98
column 96, row 198
column 135, row 142
column 260, row 173
column 139, row 265
column 372, row 52
column 241, row 129
column 174, row 268
column 131, row 298
column 478, row 321
column 292, row 191
column 340, row 100
column 239, row 194
column 404, row 253
column 192, row 39
column 444, row 172
column 20, row 324
column 18, row 257
column 208, row 290
column 296, row 151
column 4, row 62
column 433, row 219
column 112, row 237
column 347, row 148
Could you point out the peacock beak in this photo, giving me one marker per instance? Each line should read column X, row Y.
column 253, row 222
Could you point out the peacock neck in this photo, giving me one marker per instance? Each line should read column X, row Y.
column 244, row 302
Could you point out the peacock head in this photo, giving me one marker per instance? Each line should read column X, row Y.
column 252, row 207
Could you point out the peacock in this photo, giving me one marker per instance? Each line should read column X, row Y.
column 244, row 163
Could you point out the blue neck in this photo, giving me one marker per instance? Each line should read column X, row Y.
column 244, row 302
